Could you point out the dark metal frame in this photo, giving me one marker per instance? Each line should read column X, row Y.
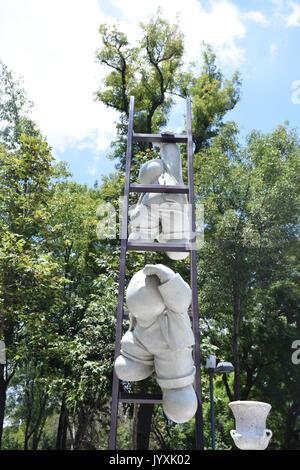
column 215, row 370
column 120, row 397
column 212, row 407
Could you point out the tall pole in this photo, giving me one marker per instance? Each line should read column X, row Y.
column 124, row 228
column 212, row 409
column 193, row 278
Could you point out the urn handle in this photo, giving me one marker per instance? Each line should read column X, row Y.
column 268, row 433
column 235, row 435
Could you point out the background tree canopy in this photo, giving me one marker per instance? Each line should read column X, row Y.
column 59, row 280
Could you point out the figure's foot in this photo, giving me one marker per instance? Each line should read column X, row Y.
column 180, row 405
column 176, row 255
column 131, row 371
column 136, row 237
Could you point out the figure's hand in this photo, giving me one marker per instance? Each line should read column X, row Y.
column 163, row 273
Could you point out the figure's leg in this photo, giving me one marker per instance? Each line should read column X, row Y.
column 176, row 255
column 175, row 373
column 174, row 368
column 175, row 227
column 131, row 371
column 144, row 224
column 135, row 362
column 180, row 404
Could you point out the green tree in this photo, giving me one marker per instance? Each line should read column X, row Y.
column 14, row 109
column 250, row 257
column 28, row 277
column 212, row 97
column 147, row 71
column 29, row 405
column 80, row 329
column 154, row 73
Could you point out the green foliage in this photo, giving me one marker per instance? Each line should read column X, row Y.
column 59, row 279
column 212, row 98
column 27, row 273
column 14, row 108
column 250, row 257
column 29, row 277
column 153, row 72
column 147, row 71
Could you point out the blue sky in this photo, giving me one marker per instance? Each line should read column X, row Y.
column 52, row 43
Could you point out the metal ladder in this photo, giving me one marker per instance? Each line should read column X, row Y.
column 122, row 397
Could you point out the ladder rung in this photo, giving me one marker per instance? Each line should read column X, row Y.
column 158, row 188
column 139, row 398
column 158, row 246
column 159, row 138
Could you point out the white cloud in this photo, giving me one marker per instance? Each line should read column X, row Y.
column 287, row 13
column 273, row 49
column 257, row 17
column 293, row 19
column 92, row 170
column 296, row 94
column 52, row 44
column 221, row 25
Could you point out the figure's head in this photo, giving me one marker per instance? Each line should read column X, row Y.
column 143, row 297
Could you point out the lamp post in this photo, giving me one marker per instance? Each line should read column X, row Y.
column 221, row 368
column 2, row 353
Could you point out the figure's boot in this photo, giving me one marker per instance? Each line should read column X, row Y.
column 180, row 404
column 131, row 371
column 177, row 254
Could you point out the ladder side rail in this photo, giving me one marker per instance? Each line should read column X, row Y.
column 115, row 388
column 193, row 278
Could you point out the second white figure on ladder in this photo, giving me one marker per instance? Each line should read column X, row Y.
column 160, row 338
column 162, row 216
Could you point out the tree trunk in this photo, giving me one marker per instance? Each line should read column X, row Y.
column 134, row 427
column 38, row 429
column 61, row 438
column 291, row 438
column 83, row 419
column 144, row 419
column 29, row 405
column 3, row 387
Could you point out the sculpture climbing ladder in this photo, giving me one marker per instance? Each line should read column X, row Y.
column 122, row 397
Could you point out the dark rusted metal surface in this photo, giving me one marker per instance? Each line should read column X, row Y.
column 159, row 138
column 158, row 246
column 140, row 398
column 193, row 276
column 158, row 188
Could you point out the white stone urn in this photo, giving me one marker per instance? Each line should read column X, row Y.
column 250, row 419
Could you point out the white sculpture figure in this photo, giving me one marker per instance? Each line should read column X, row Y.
column 250, row 417
column 162, row 216
column 160, row 338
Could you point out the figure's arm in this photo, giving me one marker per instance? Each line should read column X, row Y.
column 150, row 171
column 175, row 292
column 170, row 155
